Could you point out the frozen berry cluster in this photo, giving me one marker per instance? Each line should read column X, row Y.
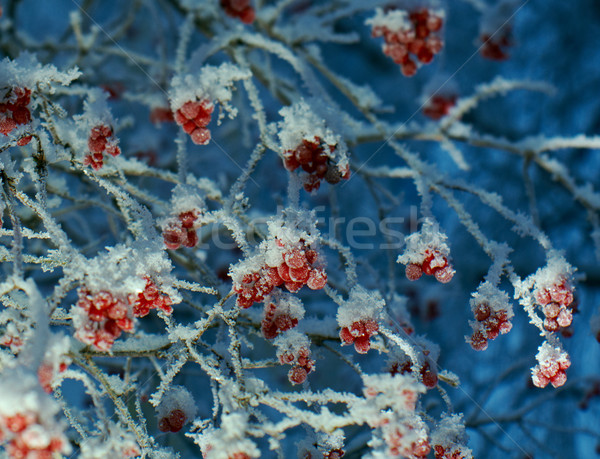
column 106, row 317
column 14, row 111
column 450, row 452
column 276, row 321
column 490, row 323
column 173, row 421
column 151, row 298
column 439, row 105
column 311, row 156
column 241, row 9
column 28, row 438
column 416, row 37
column 494, row 47
column 301, row 363
column 552, row 363
column 194, row 116
column 101, row 317
column 181, row 231
column 298, row 267
column 556, row 301
column 334, row 454
column 434, row 264
column 101, row 141
column 428, row 372
column 46, row 374
column 359, row 334
column 401, row 442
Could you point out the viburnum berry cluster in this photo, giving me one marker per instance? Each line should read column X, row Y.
column 406, row 440
column 427, row 253
column 311, row 157
column 439, row 105
column 555, row 299
column 181, row 231
column 229, row 441
column 193, row 116
column 100, row 317
column 358, row 318
column 493, row 312
column 282, row 312
column 288, row 256
column 552, row 365
column 449, row 438
column 14, row 111
column 409, row 36
column 400, row 363
column 241, row 9
column 495, row 47
column 293, row 348
column 309, row 144
column 101, row 141
column 55, row 361
column 27, row 419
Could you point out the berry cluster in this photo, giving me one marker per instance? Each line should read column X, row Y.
column 428, row 373
column 298, row 267
column 100, row 141
column 490, row 323
column 106, row 317
column 494, row 47
column 552, row 363
column 14, row 112
column 334, row 454
column 556, row 300
column 413, row 34
column 194, row 116
column 26, row 440
column 276, row 321
column 450, row 452
column 359, row 334
column 438, row 106
column 434, row 263
column 301, row 363
column 401, row 442
column 239, row 455
column 172, row 422
column 241, row 9
column 311, row 156
column 46, row 374
column 150, row 298
column 100, row 317
column 181, row 231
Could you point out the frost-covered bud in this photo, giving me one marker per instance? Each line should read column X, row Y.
column 427, row 253
column 176, row 409
column 552, row 363
column 358, row 318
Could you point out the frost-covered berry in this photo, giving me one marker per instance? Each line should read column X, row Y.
column 495, row 30
column 427, row 253
column 358, row 318
column 439, row 105
column 161, row 115
column 494, row 47
column 293, row 348
column 100, row 318
column 401, row 364
column 100, row 142
column 493, row 312
column 14, row 111
column 150, row 298
column 407, row 440
column 181, row 230
column 282, row 312
column 313, row 157
column 193, row 116
column 411, row 39
column 241, row 9
column 177, row 408
column 552, row 363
